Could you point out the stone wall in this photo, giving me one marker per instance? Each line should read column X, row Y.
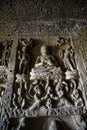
column 32, row 10
column 43, row 65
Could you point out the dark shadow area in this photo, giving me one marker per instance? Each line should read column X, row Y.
column 39, row 123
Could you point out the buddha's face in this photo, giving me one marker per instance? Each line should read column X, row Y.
column 44, row 50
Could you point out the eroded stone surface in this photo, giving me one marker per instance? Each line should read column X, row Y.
column 41, row 10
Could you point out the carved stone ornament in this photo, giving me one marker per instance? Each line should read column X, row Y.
column 48, row 82
column 5, row 51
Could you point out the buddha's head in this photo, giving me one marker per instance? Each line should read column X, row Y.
column 44, row 50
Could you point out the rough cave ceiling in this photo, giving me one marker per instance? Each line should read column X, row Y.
column 27, row 10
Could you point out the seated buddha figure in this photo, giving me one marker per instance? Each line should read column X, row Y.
column 45, row 59
column 45, row 63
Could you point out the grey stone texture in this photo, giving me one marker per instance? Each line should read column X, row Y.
column 32, row 10
column 44, row 22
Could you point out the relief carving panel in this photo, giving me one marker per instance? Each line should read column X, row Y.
column 48, row 83
column 43, row 72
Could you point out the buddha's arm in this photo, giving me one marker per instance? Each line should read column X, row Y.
column 38, row 62
column 52, row 61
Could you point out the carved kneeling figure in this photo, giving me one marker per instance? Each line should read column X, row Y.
column 37, row 99
column 76, row 98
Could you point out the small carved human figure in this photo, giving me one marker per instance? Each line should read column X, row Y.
column 49, row 96
column 3, row 80
column 6, row 53
column 23, row 56
column 58, row 86
column 61, row 90
column 24, row 59
column 22, row 80
column 17, row 99
column 20, row 100
column 2, row 89
column 48, row 104
column 69, row 61
column 77, row 100
column 13, row 101
column 37, row 98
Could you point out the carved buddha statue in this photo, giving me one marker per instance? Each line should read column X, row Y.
column 46, row 65
column 45, row 59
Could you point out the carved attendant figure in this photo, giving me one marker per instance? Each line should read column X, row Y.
column 24, row 60
column 69, row 60
column 37, row 98
column 6, row 53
